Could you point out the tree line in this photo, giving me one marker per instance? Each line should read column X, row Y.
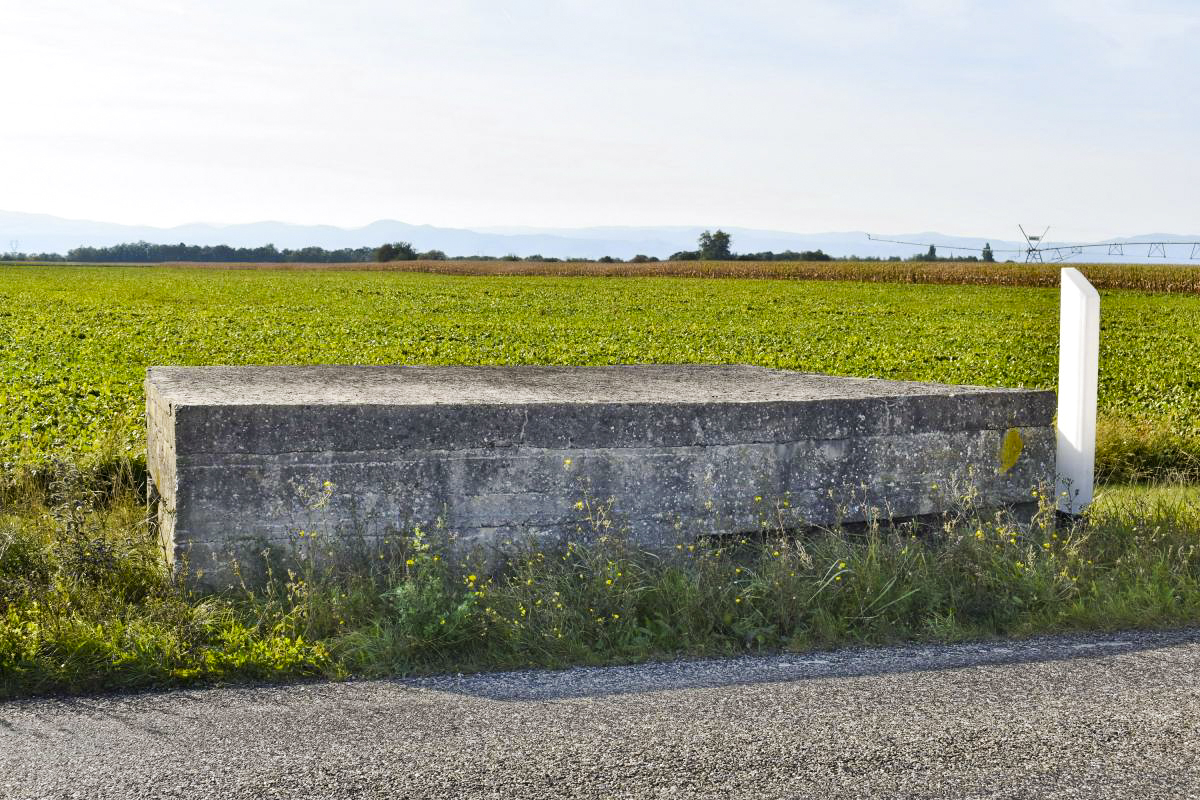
column 148, row 253
column 712, row 246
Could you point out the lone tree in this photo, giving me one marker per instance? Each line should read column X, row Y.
column 396, row 251
column 715, row 246
column 987, row 252
column 932, row 254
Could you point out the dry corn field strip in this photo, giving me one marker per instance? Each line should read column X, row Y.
column 1183, row 278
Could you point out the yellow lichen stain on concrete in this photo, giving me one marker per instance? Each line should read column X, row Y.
column 1010, row 449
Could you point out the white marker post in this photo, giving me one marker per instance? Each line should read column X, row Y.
column 1078, row 366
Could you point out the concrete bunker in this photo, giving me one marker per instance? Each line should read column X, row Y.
column 246, row 457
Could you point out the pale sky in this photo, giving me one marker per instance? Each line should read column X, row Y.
column 956, row 116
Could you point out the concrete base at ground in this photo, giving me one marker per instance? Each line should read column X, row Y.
column 246, row 458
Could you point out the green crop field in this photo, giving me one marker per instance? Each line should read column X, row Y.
column 86, row 604
column 75, row 341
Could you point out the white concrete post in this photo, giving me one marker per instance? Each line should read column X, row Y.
column 1078, row 366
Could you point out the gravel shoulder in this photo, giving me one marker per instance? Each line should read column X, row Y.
column 1078, row 716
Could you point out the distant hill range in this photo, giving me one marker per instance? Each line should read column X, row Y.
column 41, row 233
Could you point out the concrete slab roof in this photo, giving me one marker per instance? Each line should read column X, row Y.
column 488, row 385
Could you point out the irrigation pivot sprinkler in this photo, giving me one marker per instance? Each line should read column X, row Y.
column 1078, row 366
column 1033, row 245
column 1036, row 249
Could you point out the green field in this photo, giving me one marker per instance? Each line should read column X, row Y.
column 75, row 341
column 86, row 603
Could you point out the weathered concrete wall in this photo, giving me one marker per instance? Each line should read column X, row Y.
column 244, row 457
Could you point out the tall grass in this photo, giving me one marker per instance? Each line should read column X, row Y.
column 86, row 605
column 1130, row 450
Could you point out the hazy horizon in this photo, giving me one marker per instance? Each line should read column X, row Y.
column 959, row 116
column 48, row 234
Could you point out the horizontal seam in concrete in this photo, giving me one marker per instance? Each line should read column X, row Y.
column 690, row 523
column 518, row 448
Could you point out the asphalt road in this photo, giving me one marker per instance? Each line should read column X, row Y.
column 1088, row 717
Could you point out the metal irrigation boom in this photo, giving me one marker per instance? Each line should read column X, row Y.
column 1035, row 247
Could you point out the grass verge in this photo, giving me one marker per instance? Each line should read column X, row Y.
column 86, row 606
column 1132, row 450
